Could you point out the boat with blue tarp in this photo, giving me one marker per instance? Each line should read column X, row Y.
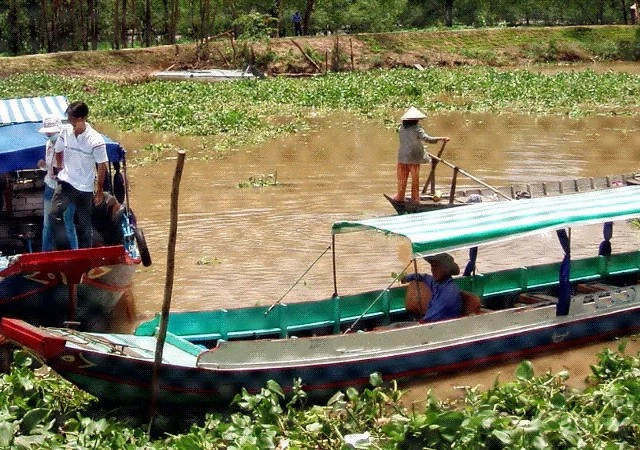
column 50, row 288
column 339, row 341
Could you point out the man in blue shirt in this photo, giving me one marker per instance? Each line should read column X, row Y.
column 446, row 301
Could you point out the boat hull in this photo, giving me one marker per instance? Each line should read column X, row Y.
column 463, row 197
column 125, row 379
column 75, row 285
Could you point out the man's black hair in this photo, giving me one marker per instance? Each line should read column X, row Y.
column 78, row 110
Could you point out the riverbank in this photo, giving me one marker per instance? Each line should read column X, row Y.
column 500, row 47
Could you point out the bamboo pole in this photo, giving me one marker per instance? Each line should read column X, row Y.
column 168, row 287
column 431, row 179
column 468, row 175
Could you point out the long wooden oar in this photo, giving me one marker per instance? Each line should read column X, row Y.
column 468, row 175
column 431, row 179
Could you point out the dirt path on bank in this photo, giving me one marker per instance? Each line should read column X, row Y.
column 315, row 54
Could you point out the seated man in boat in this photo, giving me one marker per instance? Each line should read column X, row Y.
column 446, row 299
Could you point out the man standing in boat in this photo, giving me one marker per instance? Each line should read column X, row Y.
column 411, row 153
column 85, row 153
column 446, row 299
column 51, row 128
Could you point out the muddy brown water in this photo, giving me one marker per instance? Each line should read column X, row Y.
column 248, row 246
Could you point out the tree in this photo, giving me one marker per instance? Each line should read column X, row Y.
column 306, row 19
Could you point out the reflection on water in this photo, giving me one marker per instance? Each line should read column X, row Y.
column 241, row 247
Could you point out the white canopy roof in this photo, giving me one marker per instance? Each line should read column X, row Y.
column 34, row 109
column 483, row 223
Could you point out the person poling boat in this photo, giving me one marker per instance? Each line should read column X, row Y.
column 411, row 152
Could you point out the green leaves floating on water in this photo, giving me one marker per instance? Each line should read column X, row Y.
column 270, row 179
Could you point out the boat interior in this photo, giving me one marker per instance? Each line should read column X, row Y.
column 600, row 280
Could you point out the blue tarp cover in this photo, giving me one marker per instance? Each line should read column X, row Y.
column 21, row 146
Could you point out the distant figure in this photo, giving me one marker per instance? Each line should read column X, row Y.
column 634, row 13
column 411, row 153
column 297, row 23
column 446, row 299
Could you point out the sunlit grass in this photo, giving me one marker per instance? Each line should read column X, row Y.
column 251, row 111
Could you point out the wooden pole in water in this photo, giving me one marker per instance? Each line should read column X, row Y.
column 168, row 287
column 431, row 179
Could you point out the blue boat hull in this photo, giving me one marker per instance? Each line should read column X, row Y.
column 126, row 380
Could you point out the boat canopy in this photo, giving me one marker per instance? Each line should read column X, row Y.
column 30, row 110
column 21, row 146
column 483, row 223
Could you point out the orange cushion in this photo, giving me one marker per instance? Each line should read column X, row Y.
column 470, row 303
column 417, row 299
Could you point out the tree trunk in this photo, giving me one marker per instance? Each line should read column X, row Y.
column 14, row 34
column 167, row 21
column 174, row 22
column 448, row 13
column 306, row 20
column 124, row 25
column 53, row 38
column 93, row 24
column 625, row 18
column 148, row 26
column 116, row 24
column 280, row 17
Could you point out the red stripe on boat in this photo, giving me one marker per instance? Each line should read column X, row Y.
column 72, row 263
column 42, row 342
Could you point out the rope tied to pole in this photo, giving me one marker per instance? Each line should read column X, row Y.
column 396, row 278
column 298, row 280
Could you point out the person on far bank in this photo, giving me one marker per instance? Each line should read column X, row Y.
column 85, row 154
column 297, row 23
column 446, row 299
column 411, row 153
column 51, row 128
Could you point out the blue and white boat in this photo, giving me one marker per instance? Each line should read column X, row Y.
column 50, row 288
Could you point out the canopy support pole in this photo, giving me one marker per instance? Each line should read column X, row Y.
column 335, row 276
column 564, row 283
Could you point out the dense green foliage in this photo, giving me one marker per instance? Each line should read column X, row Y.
column 26, row 26
column 228, row 115
column 532, row 412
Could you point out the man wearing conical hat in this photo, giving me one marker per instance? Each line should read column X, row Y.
column 411, row 153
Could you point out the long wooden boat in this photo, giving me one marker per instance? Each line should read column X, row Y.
column 209, row 356
column 435, row 197
column 50, row 288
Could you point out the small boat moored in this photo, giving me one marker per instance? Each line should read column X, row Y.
column 50, row 288
column 338, row 342
column 435, row 197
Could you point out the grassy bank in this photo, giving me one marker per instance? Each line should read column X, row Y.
column 494, row 47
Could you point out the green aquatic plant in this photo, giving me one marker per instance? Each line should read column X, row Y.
column 270, row 179
column 248, row 112
column 39, row 410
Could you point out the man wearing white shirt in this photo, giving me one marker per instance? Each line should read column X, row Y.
column 85, row 152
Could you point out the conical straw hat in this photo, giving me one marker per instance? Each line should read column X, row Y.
column 413, row 114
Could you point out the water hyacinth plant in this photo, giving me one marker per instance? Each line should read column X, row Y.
column 532, row 412
column 250, row 111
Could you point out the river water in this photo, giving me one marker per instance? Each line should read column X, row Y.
column 248, row 246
